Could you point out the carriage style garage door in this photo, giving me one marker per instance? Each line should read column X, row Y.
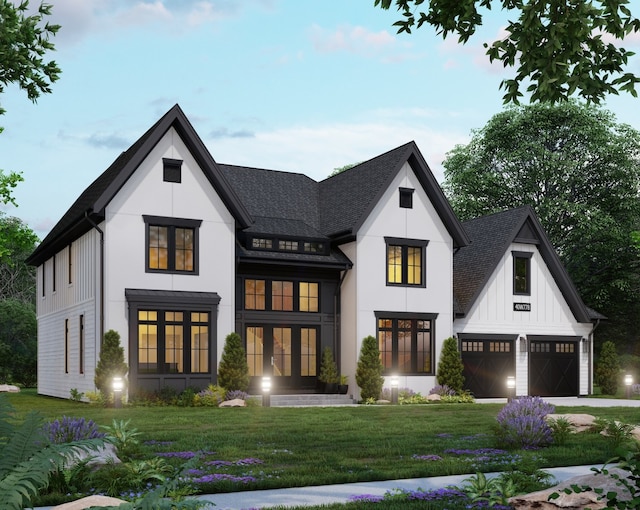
column 487, row 360
column 553, row 366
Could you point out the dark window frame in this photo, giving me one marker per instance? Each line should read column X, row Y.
column 395, row 318
column 404, row 245
column 172, row 224
column 522, row 256
column 172, row 170
column 53, row 275
column 81, row 344
column 70, row 263
column 269, row 296
column 406, row 197
column 66, row 346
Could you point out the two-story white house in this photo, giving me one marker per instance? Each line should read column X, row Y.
column 175, row 251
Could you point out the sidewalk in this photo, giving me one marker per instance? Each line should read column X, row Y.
column 340, row 493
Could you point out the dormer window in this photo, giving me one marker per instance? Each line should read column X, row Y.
column 261, row 243
column 288, row 245
column 406, row 198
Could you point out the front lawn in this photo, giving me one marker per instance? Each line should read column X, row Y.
column 258, row 448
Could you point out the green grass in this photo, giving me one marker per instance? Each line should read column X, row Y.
column 317, row 446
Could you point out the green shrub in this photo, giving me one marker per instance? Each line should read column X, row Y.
column 233, row 372
column 111, row 363
column 450, row 367
column 328, row 368
column 210, row 396
column 607, row 370
column 369, row 371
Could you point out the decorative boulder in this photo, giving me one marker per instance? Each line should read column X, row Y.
column 582, row 501
column 104, row 455
column 434, row 397
column 90, row 501
column 579, row 422
column 9, row 388
column 236, row 402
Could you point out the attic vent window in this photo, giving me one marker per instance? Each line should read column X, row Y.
column 406, row 198
column 171, row 170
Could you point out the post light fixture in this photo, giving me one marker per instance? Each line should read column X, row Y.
column 118, row 385
column 511, row 388
column 266, row 391
column 523, row 344
column 394, row 389
column 628, row 381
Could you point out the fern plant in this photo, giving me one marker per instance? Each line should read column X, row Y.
column 28, row 459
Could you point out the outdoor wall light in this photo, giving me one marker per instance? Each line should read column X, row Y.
column 117, row 385
column 511, row 388
column 628, row 381
column 266, row 390
column 523, row 344
column 394, row 389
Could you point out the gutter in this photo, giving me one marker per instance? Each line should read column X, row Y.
column 591, row 340
column 94, row 225
column 336, row 321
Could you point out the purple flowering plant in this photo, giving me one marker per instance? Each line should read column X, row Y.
column 521, row 423
column 69, row 429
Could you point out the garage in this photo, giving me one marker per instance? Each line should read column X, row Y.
column 553, row 366
column 487, row 360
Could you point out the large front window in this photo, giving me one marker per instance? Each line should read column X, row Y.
column 171, row 244
column 406, row 342
column 173, row 342
column 405, row 261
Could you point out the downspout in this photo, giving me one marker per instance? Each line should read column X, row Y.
column 590, row 378
column 336, row 322
column 94, row 225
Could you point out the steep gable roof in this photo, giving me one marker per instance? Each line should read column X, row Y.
column 90, row 206
column 347, row 199
column 490, row 238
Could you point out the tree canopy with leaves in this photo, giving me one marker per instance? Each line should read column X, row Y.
column 559, row 47
column 580, row 171
column 24, row 43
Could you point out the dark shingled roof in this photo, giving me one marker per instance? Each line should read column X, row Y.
column 262, row 201
column 490, row 238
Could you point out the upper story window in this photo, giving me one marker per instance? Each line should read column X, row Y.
column 171, row 244
column 171, row 170
column 406, row 261
column 288, row 245
column 522, row 273
column 262, row 243
column 285, row 296
column 406, row 198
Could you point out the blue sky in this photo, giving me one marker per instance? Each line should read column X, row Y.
column 297, row 85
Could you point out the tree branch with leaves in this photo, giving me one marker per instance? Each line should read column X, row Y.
column 558, row 47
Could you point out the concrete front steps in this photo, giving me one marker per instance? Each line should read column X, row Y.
column 310, row 400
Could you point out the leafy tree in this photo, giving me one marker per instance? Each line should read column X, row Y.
column 233, row 372
column 18, row 342
column 450, row 367
column 24, row 41
column 607, row 370
column 17, row 242
column 111, row 363
column 580, row 171
column 369, row 370
column 559, row 47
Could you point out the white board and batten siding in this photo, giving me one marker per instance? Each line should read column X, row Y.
column 549, row 315
column 145, row 193
column 59, row 367
column 367, row 281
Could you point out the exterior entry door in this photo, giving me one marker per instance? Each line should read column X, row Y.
column 288, row 354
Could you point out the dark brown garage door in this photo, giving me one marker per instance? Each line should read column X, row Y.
column 553, row 368
column 487, row 364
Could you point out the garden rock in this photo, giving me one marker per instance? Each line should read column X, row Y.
column 236, row 402
column 9, row 388
column 582, row 501
column 104, row 455
column 90, row 501
column 434, row 397
column 579, row 422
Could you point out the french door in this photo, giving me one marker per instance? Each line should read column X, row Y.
column 288, row 354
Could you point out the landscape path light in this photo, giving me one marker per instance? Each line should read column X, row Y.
column 117, row 385
column 266, row 391
column 394, row 389
column 628, row 381
column 511, row 388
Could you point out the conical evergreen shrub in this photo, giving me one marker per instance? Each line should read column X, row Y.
column 608, row 369
column 328, row 368
column 111, row 363
column 450, row 367
column 233, row 372
column 369, row 371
